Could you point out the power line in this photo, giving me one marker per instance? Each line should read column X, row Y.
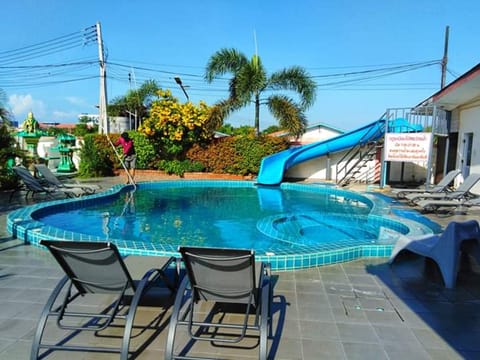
column 16, row 70
column 382, row 69
column 365, row 78
column 37, row 75
column 48, row 47
column 50, row 83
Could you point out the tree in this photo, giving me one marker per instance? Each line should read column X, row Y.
column 135, row 102
column 271, row 129
column 8, row 147
column 242, row 130
column 250, row 81
column 5, row 115
column 85, row 126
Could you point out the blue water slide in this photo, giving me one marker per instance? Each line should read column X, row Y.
column 274, row 166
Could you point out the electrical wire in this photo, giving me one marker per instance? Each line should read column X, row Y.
column 47, row 74
column 59, row 44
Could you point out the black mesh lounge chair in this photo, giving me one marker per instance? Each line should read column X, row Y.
column 441, row 187
column 93, row 269
column 223, row 278
column 33, row 186
column 52, row 180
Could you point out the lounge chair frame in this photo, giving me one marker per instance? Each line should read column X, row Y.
column 82, row 263
column 441, row 187
column 439, row 207
column 52, row 180
column 33, row 186
column 221, row 276
column 462, row 192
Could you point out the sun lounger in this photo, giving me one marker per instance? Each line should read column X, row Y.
column 452, row 205
column 444, row 249
column 33, row 186
column 462, row 192
column 441, row 187
column 221, row 279
column 52, row 180
column 93, row 270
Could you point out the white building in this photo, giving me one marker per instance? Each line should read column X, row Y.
column 461, row 100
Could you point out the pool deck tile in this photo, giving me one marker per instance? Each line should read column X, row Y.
column 363, row 309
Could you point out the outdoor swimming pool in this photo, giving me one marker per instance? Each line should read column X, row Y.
column 292, row 226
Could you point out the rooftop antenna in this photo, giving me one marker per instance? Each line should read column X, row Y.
column 256, row 46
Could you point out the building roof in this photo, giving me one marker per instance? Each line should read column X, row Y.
column 281, row 133
column 460, row 91
column 66, row 126
column 324, row 125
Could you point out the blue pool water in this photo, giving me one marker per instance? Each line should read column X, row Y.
column 293, row 225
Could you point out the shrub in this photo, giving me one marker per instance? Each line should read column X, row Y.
column 180, row 167
column 8, row 180
column 97, row 157
column 240, row 155
column 146, row 155
column 8, row 152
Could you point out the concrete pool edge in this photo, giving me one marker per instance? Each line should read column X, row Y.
column 21, row 225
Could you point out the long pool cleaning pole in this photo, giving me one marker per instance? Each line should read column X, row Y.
column 121, row 162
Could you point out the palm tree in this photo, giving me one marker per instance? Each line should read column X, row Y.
column 250, row 80
column 135, row 101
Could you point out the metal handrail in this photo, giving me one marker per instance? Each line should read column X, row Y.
column 354, row 151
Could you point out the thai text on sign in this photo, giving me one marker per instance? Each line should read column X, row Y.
column 407, row 147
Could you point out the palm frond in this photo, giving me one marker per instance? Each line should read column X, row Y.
column 289, row 115
column 222, row 110
column 224, row 61
column 237, row 93
column 252, row 78
column 296, row 79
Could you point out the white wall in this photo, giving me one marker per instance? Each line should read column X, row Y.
column 412, row 171
column 316, row 169
column 317, row 134
column 469, row 122
column 118, row 124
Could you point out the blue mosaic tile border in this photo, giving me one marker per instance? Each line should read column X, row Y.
column 22, row 224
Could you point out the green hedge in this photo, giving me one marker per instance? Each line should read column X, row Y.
column 240, row 155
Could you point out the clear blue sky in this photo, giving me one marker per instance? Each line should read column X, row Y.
column 159, row 40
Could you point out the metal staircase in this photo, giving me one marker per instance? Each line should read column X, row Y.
column 353, row 166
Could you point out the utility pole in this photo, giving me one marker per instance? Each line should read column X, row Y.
column 104, row 125
column 445, row 59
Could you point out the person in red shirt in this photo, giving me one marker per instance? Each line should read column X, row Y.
column 129, row 155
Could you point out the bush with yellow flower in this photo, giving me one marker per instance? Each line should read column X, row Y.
column 173, row 127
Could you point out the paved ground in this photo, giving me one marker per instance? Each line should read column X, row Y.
column 364, row 309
